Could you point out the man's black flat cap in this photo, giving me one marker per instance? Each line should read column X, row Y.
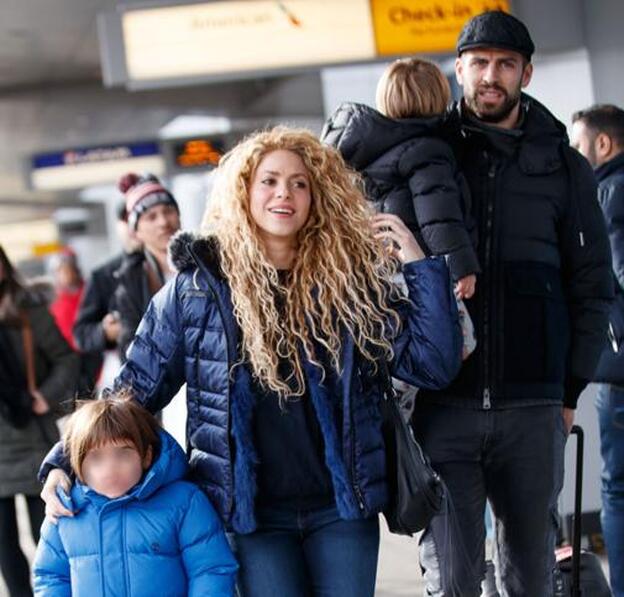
column 496, row 29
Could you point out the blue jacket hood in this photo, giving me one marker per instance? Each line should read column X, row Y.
column 170, row 465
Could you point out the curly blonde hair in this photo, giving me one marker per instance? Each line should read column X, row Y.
column 341, row 277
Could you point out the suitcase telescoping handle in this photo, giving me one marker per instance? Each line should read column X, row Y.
column 578, row 498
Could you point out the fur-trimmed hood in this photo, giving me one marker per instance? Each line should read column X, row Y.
column 186, row 248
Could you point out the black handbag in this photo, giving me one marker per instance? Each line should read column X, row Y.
column 416, row 491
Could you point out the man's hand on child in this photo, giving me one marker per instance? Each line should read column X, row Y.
column 54, row 508
column 465, row 287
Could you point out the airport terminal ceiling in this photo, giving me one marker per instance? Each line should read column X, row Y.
column 52, row 95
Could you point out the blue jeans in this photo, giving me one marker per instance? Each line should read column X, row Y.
column 514, row 459
column 308, row 553
column 610, row 405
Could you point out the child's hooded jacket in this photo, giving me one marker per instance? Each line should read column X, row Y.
column 162, row 538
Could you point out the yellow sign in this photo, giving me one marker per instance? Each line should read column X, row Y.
column 424, row 26
column 43, row 249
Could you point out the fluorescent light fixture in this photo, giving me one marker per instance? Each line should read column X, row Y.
column 63, row 215
column 195, row 125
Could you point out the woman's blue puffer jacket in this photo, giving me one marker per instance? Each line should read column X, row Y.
column 163, row 538
column 189, row 334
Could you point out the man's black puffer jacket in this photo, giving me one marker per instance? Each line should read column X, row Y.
column 409, row 171
column 541, row 303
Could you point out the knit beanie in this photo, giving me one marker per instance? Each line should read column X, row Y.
column 141, row 193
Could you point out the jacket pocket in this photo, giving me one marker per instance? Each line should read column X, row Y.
column 536, row 324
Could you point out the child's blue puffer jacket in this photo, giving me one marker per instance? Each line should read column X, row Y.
column 163, row 538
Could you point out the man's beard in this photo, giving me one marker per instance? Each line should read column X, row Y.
column 492, row 115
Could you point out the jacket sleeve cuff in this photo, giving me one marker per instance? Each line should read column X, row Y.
column 462, row 263
column 423, row 265
column 573, row 387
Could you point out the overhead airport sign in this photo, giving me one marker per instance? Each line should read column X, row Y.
column 82, row 167
column 424, row 26
column 190, row 43
column 226, row 37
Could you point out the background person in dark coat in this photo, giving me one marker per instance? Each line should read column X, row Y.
column 598, row 133
column 153, row 218
column 408, row 169
column 24, row 441
column 540, row 309
column 97, row 326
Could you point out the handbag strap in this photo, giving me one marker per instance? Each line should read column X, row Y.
column 29, row 353
column 386, row 380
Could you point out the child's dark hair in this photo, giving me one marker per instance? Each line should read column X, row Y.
column 115, row 418
column 411, row 88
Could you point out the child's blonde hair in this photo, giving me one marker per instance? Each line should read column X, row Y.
column 111, row 419
column 412, row 87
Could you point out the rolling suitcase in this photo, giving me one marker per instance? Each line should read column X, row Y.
column 579, row 572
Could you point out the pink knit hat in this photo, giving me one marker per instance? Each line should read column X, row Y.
column 141, row 193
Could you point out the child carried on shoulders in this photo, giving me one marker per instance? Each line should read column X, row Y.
column 409, row 170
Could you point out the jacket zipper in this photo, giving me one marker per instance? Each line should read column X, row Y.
column 125, row 551
column 102, row 568
column 354, row 479
column 359, row 496
column 489, row 225
column 200, row 266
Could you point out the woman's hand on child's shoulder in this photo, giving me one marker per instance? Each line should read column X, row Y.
column 400, row 240
column 54, row 507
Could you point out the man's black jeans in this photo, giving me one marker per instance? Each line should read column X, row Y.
column 513, row 458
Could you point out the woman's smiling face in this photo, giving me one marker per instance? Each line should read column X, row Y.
column 280, row 196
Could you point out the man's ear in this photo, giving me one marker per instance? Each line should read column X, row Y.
column 527, row 73
column 147, row 461
column 603, row 144
column 459, row 71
